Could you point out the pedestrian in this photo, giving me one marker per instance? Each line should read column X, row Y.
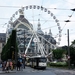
column 0, row 65
column 11, row 65
column 3, row 65
column 7, row 66
column 18, row 65
column 22, row 65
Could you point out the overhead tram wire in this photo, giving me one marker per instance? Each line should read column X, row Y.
column 50, row 27
column 24, row 6
column 58, row 8
column 67, row 20
column 5, row 18
column 10, row 6
column 69, row 2
column 41, row 20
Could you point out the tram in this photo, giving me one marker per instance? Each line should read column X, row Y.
column 39, row 62
column 27, row 61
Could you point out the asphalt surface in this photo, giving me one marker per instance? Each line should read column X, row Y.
column 59, row 71
column 48, row 71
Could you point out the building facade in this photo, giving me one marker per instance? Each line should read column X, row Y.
column 2, row 42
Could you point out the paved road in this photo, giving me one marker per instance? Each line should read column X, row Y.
column 62, row 71
column 30, row 71
column 48, row 71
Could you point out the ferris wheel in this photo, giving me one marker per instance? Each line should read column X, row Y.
column 40, row 15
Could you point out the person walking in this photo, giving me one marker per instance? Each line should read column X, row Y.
column 11, row 65
column 18, row 65
column 3, row 65
column 7, row 66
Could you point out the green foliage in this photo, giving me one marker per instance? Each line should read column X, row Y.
column 13, row 38
column 10, row 47
column 3, row 54
column 58, row 53
column 72, row 55
column 57, row 64
column 73, row 42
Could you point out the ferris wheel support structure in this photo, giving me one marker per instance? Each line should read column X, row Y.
column 40, row 45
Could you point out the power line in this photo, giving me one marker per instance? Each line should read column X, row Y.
column 45, row 20
column 59, row 8
column 67, row 20
column 24, row 6
column 4, row 18
column 10, row 6
column 69, row 2
column 49, row 27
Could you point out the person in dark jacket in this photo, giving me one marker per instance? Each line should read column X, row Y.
column 18, row 65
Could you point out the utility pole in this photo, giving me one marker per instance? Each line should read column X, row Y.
column 68, row 50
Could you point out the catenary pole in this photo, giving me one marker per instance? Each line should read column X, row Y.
column 68, row 50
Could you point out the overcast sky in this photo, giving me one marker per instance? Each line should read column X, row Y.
column 62, row 13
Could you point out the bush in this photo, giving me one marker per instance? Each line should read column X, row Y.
column 57, row 64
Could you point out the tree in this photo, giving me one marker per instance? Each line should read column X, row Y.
column 73, row 42
column 3, row 53
column 6, row 53
column 58, row 54
column 10, row 49
column 13, row 43
column 72, row 55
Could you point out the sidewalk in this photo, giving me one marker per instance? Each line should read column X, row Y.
column 1, row 72
column 13, row 71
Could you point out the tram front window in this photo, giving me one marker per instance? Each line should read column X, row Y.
column 42, row 60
